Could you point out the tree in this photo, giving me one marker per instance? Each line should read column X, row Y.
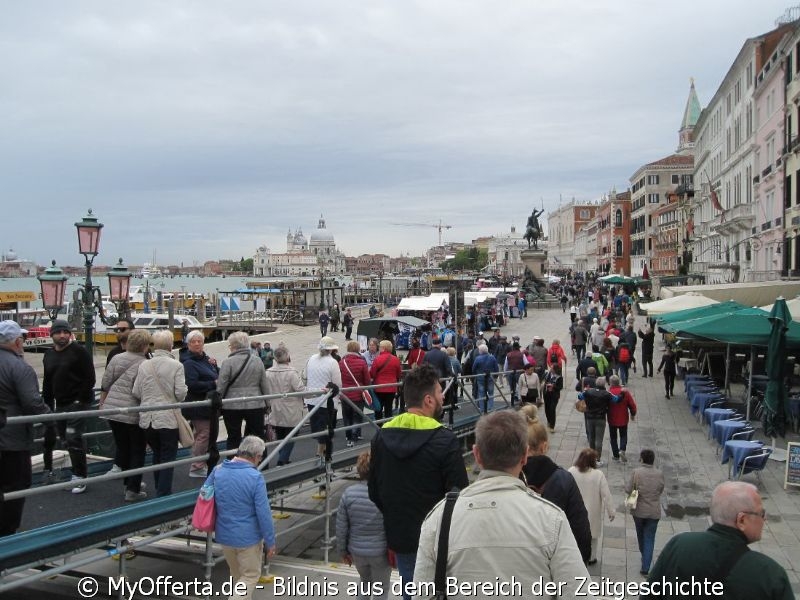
column 469, row 259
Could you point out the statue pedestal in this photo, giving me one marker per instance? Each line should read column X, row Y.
column 535, row 260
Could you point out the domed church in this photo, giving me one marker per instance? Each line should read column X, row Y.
column 302, row 257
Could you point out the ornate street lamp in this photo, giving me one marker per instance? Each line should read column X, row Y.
column 89, row 295
column 88, row 244
column 119, row 284
column 53, row 282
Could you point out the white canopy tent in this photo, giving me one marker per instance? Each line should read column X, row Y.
column 750, row 294
column 676, row 303
column 430, row 303
column 473, row 298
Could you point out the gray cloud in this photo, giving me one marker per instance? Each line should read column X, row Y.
column 203, row 130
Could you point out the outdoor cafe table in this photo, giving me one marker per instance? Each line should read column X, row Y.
column 700, row 386
column 738, row 450
column 692, row 394
column 701, row 400
column 691, row 380
column 712, row 415
column 724, row 429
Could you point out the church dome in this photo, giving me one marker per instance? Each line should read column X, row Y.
column 321, row 235
column 11, row 255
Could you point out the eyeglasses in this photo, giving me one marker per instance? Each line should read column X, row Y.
column 762, row 513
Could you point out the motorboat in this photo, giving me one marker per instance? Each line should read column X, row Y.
column 154, row 321
column 149, row 271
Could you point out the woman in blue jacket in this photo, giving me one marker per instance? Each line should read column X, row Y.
column 201, row 377
column 244, row 518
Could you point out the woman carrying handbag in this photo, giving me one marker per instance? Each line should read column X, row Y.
column 649, row 482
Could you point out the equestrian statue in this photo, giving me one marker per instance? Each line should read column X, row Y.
column 533, row 231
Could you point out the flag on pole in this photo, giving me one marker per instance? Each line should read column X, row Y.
column 715, row 201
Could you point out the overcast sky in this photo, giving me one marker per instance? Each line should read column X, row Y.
column 201, row 130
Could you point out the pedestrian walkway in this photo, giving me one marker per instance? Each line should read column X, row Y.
column 688, row 459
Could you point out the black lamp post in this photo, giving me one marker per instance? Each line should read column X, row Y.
column 53, row 282
column 119, row 285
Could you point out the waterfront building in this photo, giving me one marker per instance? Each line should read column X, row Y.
column 562, row 225
column 790, row 251
column 725, row 208
column 586, row 247
column 12, row 265
column 613, row 245
column 504, row 254
column 303, row 257
column 650, row 187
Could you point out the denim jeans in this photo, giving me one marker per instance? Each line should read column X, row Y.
column 405, row 567
column 623, row 372
column 646, row 535
column 351, row 417
column 512, row 379
column 285, row 453
column 485, row 391
column 613, row 430
column 595, row 430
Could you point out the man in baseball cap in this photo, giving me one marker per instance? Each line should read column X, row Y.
column 19, row 395
column 10, row 331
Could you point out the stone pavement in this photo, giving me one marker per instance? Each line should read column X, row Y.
column 689, row 461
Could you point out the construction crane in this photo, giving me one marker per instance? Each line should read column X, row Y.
column 440, row 226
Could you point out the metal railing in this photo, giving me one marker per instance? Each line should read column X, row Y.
column 182, row 527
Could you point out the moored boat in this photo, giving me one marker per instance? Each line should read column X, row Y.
column 154, row 321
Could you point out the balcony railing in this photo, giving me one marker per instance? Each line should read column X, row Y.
column 766, row 171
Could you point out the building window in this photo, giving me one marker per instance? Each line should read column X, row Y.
column 618, row 252
column 675, row 179
column 584, row 213
column 618, row 218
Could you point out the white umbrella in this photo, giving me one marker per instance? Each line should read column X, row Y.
column 793, row 305
column 676, row 303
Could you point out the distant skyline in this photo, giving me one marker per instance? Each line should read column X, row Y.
column 202, row 130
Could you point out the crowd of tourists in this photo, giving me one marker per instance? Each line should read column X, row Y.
column 502, row 524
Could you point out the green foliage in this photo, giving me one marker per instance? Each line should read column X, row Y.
column 245, row 265
column 469, row 259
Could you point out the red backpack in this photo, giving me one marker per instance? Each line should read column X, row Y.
column 624, row 354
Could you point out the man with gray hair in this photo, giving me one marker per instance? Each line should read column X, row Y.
column 500, row 530
column 720, row 554
column 484, row 368
column 19, row 395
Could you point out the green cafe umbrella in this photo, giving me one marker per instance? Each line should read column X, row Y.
column 775, row 399
column 699, row 312
column 617, row 278
column 745, row 327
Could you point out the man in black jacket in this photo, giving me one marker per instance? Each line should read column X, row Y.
column 597, row 401
column 68, row 386
column 415, row 462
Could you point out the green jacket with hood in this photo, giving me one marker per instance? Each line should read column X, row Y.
column 415, row 462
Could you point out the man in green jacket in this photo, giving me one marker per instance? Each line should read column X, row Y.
column 720, row 554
